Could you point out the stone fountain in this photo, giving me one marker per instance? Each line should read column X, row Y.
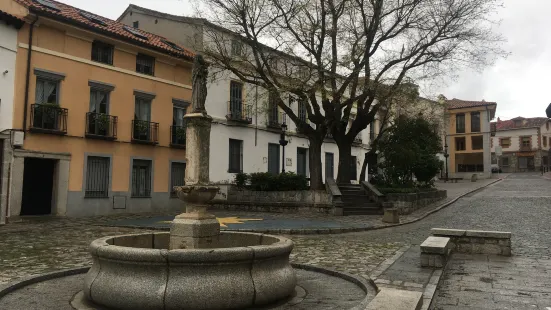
column 195, row 266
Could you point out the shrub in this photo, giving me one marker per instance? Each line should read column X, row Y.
column 264, row 181
column 241, row 179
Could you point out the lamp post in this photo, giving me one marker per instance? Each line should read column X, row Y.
column 446, row 155
column 283, row 143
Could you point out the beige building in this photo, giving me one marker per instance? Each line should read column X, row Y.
column 525, row 143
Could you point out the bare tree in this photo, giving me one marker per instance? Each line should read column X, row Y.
column 344, row 57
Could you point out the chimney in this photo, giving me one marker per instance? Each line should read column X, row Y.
column 498, row 120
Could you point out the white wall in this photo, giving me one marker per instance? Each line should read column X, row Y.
column 8, row 43
column 514, row 134
column 255, row 157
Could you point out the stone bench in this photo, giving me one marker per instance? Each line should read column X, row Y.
column 435, row 251
column 477, row 241
column 394, row 299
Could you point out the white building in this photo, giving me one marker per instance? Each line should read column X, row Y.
column 525, row 143
column 9, row 26
column 249, row 140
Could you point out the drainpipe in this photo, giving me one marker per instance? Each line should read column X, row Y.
column 27, row 78
column 256, row 114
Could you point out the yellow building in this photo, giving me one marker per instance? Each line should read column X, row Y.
column 468, row 137
column 101, row 107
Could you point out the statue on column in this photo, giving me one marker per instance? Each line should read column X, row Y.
column 199, row 83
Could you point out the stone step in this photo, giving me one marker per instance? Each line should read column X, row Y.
column 356, row 187
column 355, row 195
column 365, row 205
column 356, row 199
column 352, row 191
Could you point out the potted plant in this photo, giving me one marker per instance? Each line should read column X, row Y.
column 181, row 134
column 102, row 121
column 45, row 115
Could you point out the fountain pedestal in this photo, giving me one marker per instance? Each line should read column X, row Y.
column 196, row 229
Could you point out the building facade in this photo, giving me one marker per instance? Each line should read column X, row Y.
column 9, row 25
column 246, row 129
column 524, row 144
column 101, row 106
column 469, row 137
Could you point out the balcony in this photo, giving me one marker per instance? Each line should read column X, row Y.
column 275, row 120
column 239, row 112
column 48, row 118
column 358, row 139
column 178, row 136
column 101, row 126
column 525, row 148
column 145, row 132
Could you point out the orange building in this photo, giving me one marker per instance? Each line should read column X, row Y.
column 469, row 138
column 101, row 107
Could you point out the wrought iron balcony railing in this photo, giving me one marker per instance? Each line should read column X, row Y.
column 239, row 112
column 48, row 118
column 145, row 132
column 275, row 120
column 101, row 126
column 178, row 136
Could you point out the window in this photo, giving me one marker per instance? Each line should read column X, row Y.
column 460, row 144
column 460, row 123
column 236, row 99
column 135, row 32
column 329, row 165
column 142, row 117
column 544, row 141
column 547, row 125
column 141, row 178
column 273, row 158
column 302, row 155
column 236, row 48
column 353, row 168
column 526, row 142
column 97, row 177
column 302, row 114
column 236, row 156
column 99, row 100
column 177, row 176
column 477, row 143
column 93, row 18
column 145, row 64
column 98, row 122
column 475, row 121
column 273, row 111
column 47, row 91
column 178, row 128
column 504, row 161
column 136, row 24
column 102, row 52
column 142, row 109
column 505, row 142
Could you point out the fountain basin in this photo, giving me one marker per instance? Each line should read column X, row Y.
column 139, row 272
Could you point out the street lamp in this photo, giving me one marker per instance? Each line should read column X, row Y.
column 446, row 155
column 283, row 143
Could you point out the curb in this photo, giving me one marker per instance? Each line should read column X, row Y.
column 17, row 284
column 330, row 231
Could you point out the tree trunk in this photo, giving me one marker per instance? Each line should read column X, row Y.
column 314, row 156
column 345, row 156
column 371, row 160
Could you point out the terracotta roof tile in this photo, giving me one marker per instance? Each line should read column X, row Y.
column 525, row 123
column 460, row 104
column 107, row 26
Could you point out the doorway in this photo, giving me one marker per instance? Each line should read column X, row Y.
column 38, row 182
column 302, row 155
column 329, row 165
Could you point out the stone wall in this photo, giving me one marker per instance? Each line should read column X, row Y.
column 272, row 201
column 407, row 203
column 477, row 241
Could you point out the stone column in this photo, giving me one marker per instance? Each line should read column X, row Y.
column 198, row 148
column 196, row 228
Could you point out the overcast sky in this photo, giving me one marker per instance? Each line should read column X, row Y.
column 519, row 84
